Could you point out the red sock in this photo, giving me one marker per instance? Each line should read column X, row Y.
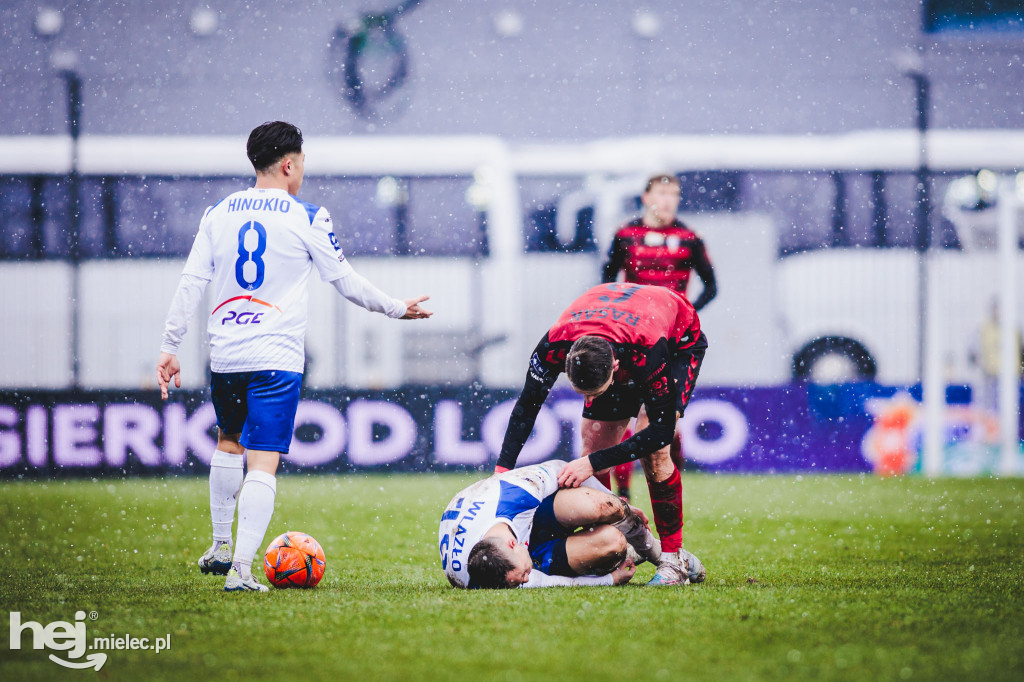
column 605, row 477
column 667, row 503
column 623, row 474
column 675, row 451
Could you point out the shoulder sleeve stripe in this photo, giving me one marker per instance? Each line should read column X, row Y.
column 311, row 209
column 213, row 207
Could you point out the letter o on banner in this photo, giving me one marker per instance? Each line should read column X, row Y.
column 540, row 446
column 363, row 450
column 729, row 444
column 331, row 442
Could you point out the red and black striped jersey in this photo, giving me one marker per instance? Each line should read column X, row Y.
column 662, row 256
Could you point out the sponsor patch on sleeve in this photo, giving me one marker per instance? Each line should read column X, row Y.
column 537, row 369
column 336, row 245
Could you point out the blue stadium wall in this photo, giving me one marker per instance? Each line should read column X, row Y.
column 520, row 69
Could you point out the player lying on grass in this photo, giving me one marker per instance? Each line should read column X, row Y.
column 517, row 529
column 622, row 346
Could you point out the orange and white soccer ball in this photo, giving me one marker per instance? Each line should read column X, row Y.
column 294, row 560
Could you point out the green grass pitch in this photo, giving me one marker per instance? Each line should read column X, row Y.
column 812, row 577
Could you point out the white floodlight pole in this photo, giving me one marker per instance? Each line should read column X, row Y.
column 933, row 383
column 1009, row 359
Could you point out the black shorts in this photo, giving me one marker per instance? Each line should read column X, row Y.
column 623, row 401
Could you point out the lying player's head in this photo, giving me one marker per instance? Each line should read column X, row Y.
column 271, row 143
column 590, row 365
column 493, row 564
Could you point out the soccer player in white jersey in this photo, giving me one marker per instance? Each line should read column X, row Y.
column 517, row 529
column 257, row 248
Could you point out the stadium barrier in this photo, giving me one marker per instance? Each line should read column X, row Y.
column 793, row 428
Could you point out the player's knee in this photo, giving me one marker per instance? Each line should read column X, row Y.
column 602, row 507
column 613, row 509
column 229, row 443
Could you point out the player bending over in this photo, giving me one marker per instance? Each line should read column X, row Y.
column 622, row 346
column 517, row 529
column 257, row 247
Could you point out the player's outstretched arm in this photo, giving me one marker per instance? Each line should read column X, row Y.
column 540, row 377
column 167, row 368
column 413, row 311
column 365, row 294
column 538, row 579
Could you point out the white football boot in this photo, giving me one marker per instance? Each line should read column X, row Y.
column 678, row 568
column 694, row 568
column 235, row 583
column 217, row 559
column 671, row 571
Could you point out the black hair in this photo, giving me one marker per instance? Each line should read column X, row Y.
column 271, row 141
column 589, row 363
column 488, row 566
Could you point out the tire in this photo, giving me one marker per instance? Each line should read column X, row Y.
column 834, row 360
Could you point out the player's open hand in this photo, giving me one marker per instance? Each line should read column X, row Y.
column 575, row 472
column 624, row 573
column 167, row 368
column 413, row 311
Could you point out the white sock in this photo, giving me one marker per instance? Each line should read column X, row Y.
column 225, row 483
column 255, row 507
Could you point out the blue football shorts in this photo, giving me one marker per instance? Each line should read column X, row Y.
column 547, row 541
column 260, row 406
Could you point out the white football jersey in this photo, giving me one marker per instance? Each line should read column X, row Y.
column 512, row 497
column 257, row 248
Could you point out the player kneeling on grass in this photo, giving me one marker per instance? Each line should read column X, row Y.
column 517, row 529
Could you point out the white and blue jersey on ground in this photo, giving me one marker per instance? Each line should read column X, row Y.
column 513, row 498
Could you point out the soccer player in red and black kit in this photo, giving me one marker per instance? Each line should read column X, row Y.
column 622, row 345
column 657, row 248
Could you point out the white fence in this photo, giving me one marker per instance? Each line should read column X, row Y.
column 491, row 311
